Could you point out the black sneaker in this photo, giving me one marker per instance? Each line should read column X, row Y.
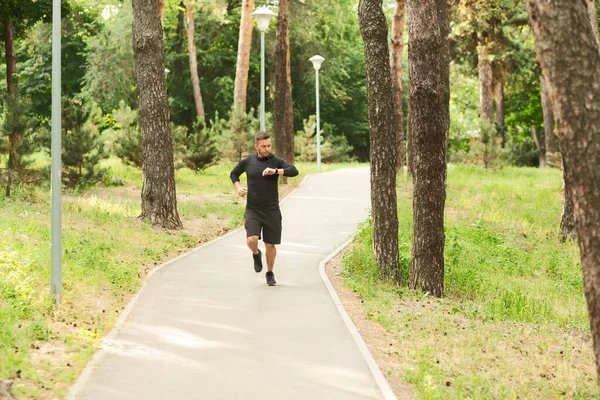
column 257, row 261
column 271, row 279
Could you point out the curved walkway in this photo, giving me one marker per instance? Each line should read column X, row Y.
column 206, row 326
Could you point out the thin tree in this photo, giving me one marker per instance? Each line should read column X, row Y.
column 591, row 8
column 549, row 135
column 397, row 48
column 243, row 56
column 486, row 108
column 14, row 137
column 283, row 112
column 499, row 76
column 189, row 9
column 575, row 100
column 382, row 129
column 429, row 113
column 159, row 200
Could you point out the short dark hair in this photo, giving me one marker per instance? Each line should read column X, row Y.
column 262, row 136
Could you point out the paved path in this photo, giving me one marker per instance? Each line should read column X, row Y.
column 206, row 326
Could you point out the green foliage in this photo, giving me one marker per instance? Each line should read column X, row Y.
column 128, row 143
column 194, row 149
column 236, row 135
column 82, row 148
column 333, row 148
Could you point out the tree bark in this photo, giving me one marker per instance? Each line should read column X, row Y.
column 179, row 43
column 549, row 135
column 567, row 219
column 429, row 113
column 486, row 110
column 12, row 96
column 397, row 48
column 243, row 56
column 159, row 200
column 409, row 141
column 498, row 88
column 193, row 61
column 591, row 8
column 283, row 113
column 382, row 129
column 576, row 105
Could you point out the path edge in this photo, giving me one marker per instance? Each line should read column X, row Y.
column 384, row 386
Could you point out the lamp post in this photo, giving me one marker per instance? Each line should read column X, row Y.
column 317, row 60
column 55, row 151
column 263, row 16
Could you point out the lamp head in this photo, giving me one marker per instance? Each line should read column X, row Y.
column 317, row 60
column 263, row 16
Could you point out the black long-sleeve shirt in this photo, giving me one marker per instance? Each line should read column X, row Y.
column 262, row 190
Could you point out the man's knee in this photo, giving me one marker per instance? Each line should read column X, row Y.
column 269, row 246
column 252, row 240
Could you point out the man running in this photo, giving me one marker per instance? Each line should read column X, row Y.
column 262, row 169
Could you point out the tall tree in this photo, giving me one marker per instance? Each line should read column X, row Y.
column 397, row 48
column 486, row 98
column 429, row 120
column 382, row 129
column 189, row 8
column 243, row 56
column 159, row 199
column 283, row 112
column 549, row 135
column 499, row 76
column 576, row 105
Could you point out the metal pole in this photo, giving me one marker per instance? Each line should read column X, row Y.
column 56, row 218
column 318, row 126
column 262, row 81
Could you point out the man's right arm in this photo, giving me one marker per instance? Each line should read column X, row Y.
column 235, row 174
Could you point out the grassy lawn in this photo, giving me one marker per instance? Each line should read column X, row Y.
column 107, row 253
column 514, row 321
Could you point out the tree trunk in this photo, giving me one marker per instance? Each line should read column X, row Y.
column 382, row 129
column 576, row 105
column 243, row 56
column 567, row 219
column 498, row 88
column 549, row 135
column 486, row 110
column 283, row 113
column 159, row 200
column 429, row 113
column 591, row 8
column 539, row 147
column 397, row 48
column 193, row 63
column 12, row 96
column 409, row 142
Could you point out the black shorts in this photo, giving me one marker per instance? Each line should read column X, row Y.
column 267, row 221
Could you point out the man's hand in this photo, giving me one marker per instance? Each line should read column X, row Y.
column 269, row 171
column 242, row 191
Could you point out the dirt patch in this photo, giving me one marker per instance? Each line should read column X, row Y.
column 382, row 345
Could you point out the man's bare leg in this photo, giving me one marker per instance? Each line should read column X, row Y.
column 271, row 253
column 252, row 242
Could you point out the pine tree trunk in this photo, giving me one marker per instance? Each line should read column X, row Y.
column 159, row 200
column 283, row 113
column 486, row 110
column 549, row 135
column 397, row 48
column 243, row 56
column 576, row 105
column 539, row 147
column 591, row 7
column 567, row 219
column 12, row 96
column 409, row 143
column 382, row 129
column 498, row 87
column 429, row 113
column 193, row 62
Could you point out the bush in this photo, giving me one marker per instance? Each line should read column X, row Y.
column 236, row 135
column 333, row 148
column 195, row 148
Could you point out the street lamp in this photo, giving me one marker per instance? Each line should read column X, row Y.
column 317, row 60
column 263, row 16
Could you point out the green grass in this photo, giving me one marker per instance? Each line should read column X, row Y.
column 107, row 252
column 507, row 277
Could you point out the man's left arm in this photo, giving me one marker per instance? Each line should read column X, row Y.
column 284, row 168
